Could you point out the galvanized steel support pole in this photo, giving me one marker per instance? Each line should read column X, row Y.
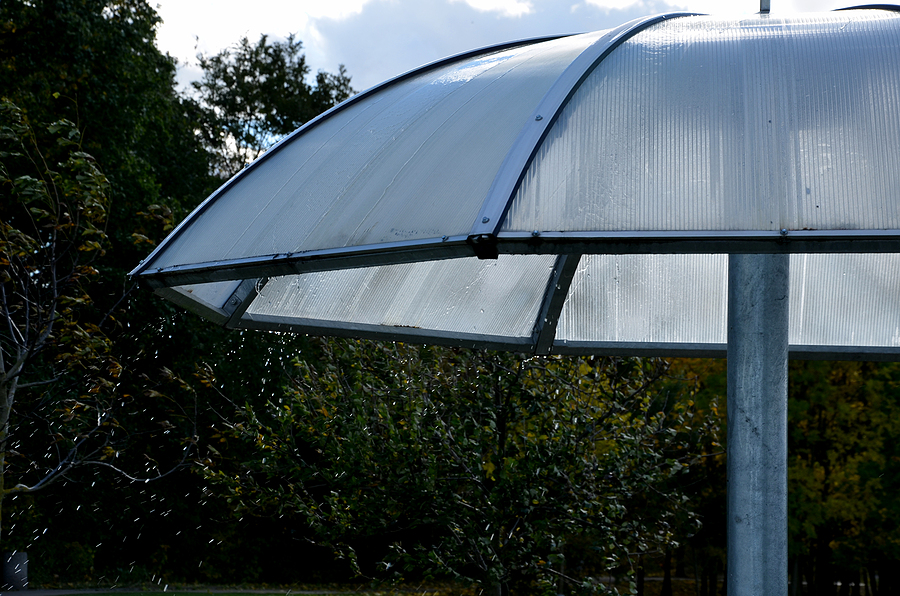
column 757, row 424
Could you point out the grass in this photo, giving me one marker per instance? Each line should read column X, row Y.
column 264, row 590
column 312, row 592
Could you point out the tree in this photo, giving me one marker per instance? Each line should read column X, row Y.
column 94, row 64
column 58, row 372
column 51, row 230
column 258, row 93
column 705, row 381
column 516, row 474
column 84, row 377
column 843, row 475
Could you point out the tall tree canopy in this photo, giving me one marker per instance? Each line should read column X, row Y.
column 88, row 73
column 260, row 92
column 95, row 63
column 844, row 475
column 97, row 154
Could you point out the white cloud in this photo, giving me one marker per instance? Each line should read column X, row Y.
column 379, row 39
column 510, row 8
column 389, row 37
column 208, row 26
column 334, row 9
column 616, row 4
column 752, row 6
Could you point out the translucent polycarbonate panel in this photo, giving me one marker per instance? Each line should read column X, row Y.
column 207, row 300
column 845, row 300
column 647, row 298
column 500, row 297
column 412, row 161
column 835, row 300
column 212, row 295
column 701, row 123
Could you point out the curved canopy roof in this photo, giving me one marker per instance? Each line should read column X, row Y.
column 577, row 194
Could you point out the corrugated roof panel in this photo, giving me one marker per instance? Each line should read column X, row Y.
column 647, row 298
column 848, row 300
column 700, row 123
column 413, row 160
column 694, row 134
column 845, row 300
column 470, row 296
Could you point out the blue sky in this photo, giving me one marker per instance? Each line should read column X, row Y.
column 379, row 39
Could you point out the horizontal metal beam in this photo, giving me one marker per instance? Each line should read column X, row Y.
column 335, row 259
column 528, row 345
column 543, row 243
column 700, row 242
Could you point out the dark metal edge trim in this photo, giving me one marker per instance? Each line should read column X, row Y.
column 554, row 299
column 629, row 242
column 887, row 7
column 691, row 350
column 852, row 353
column 700, row 242
column 308, row 262
column 388, row 333
column 640, row 349
column 241, row 299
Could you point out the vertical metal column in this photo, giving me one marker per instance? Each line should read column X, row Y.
column 757, row 424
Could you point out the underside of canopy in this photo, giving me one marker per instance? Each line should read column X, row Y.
column 577, row 194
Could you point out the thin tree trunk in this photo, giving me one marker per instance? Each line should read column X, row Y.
column 725, row 579
column 639, row 583
column 698, row 575
column 667, row 574
column 3, row 437
column 704, row 579
column 824, row 578
column 710, row 585
column 795, row 576
column 871, row 588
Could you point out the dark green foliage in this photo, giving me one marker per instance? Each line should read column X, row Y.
column 529, row 475
column 56, row 369
column 843, row 471
column 511, row 473
column 90, row 388
column 259, row 93
column 843, row 474
column 704, row 383
column 94, row 63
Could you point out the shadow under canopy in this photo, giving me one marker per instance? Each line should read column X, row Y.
column 680, row 185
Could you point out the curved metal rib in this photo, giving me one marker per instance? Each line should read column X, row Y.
column 483, row 236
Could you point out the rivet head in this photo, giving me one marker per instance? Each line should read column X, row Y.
column 444, row 238
column 538, row 118
column 234, row 301
column 485, row 219
column 535, row 233
column 784, row 232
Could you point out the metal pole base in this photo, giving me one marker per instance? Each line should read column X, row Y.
column 757, row 424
